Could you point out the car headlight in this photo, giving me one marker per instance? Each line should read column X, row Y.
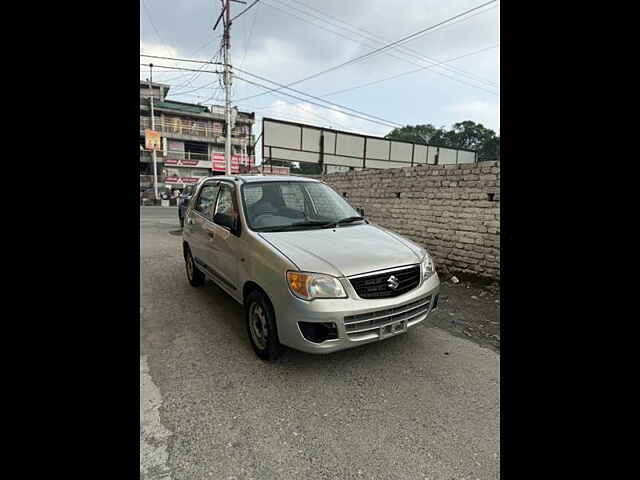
column 314, row 285
column 428, row 266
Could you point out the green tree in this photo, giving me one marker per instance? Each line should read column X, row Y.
column 417, row 133
column 468, row 135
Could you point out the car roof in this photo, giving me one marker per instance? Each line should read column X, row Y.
column 262, row 178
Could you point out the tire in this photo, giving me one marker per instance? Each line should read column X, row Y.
column 194, row 276
column 259, row 311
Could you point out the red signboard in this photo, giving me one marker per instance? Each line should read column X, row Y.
column 179, row 162
column 236, row 161
column 175, row 179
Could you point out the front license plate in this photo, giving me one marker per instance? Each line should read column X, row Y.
column 393, row 329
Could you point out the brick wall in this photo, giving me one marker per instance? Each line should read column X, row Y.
column 452, row 210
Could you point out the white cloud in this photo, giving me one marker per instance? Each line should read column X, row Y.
column 314, row 115
column 488, row 114
column 160, row 50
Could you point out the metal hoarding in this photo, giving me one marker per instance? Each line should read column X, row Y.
column 297, row 142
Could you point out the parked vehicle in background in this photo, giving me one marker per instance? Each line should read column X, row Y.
column 147, row 196
column 310, row 271
column 183, row 202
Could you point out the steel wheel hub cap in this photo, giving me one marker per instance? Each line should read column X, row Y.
column 189, row 266
column 258, row 325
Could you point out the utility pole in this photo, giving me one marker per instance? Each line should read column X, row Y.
column 227, row 86
column 226, row 45
column 153, row 127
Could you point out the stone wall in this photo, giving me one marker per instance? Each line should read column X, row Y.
column 452, row 210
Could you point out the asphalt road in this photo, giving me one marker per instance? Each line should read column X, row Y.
column 424, row 405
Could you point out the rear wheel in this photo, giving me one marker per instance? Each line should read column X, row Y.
column 194, row 276
column 261, row 326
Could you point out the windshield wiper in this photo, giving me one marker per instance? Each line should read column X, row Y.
column 293, row 226
column 345, row 220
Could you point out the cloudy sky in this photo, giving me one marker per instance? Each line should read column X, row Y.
column 287, row 40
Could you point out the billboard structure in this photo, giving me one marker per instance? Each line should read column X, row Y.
column 297, row 142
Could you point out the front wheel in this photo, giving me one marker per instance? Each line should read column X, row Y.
column 261, row 326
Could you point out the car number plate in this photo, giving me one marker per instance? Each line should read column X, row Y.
column 393, row 329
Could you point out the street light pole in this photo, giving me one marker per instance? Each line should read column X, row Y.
column 153, row 128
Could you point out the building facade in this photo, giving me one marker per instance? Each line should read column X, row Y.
column 193, row 139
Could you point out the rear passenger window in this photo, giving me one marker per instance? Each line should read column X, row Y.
column 206, row 199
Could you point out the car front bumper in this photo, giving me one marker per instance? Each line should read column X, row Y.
column 358, row 321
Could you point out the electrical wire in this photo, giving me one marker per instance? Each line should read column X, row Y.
column 408, row 50
column 162, row 42
column 196, row 75
column 410, row 72
column 371, row 37
column 356, row 113
column 312, row 96
column 380, row 49
column 246, row 9
column 343, row 90
column 385, row 123
column 247, row 38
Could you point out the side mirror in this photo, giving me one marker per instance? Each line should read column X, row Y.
column 226, row 221
column 360, row 210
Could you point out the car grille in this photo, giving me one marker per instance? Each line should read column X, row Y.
column 376, row 285
column 374, row 320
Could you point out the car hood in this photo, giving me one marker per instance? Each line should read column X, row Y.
column 345, row 251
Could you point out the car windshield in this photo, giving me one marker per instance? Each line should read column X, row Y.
column 279, row 206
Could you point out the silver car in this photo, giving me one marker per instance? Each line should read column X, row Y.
column 311, row 273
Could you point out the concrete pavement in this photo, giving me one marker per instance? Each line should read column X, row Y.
column 417, row 406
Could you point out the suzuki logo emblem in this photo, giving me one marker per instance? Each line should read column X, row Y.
column 392, row 282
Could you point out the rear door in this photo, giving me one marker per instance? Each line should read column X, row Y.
column 226, row 244
column 199, row 222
